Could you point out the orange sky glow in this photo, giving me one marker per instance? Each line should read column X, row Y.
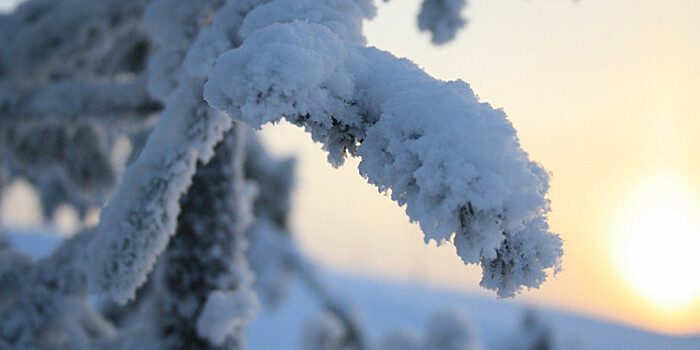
column 604, row 94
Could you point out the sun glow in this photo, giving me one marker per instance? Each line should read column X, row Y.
column 657, row 245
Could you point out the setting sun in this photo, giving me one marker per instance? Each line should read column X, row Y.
column 656, row 244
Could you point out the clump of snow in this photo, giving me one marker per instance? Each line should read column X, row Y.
column 442, row 18
column 226, row 312
column 340, row 16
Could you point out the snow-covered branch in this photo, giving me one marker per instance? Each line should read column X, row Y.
column 137, row 223
column 106, row 103
column 453, row 161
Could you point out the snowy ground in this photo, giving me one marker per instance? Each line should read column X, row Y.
column 387, row 307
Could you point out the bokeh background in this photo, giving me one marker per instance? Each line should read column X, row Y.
column 605, row 94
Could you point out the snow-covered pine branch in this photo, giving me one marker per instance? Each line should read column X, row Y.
column 73, row 59
column 453, row 161
column 38, row 147
column 137, row 223
column 202, row 294
column 117, row 104
column 49, row 41
column 70, row 82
